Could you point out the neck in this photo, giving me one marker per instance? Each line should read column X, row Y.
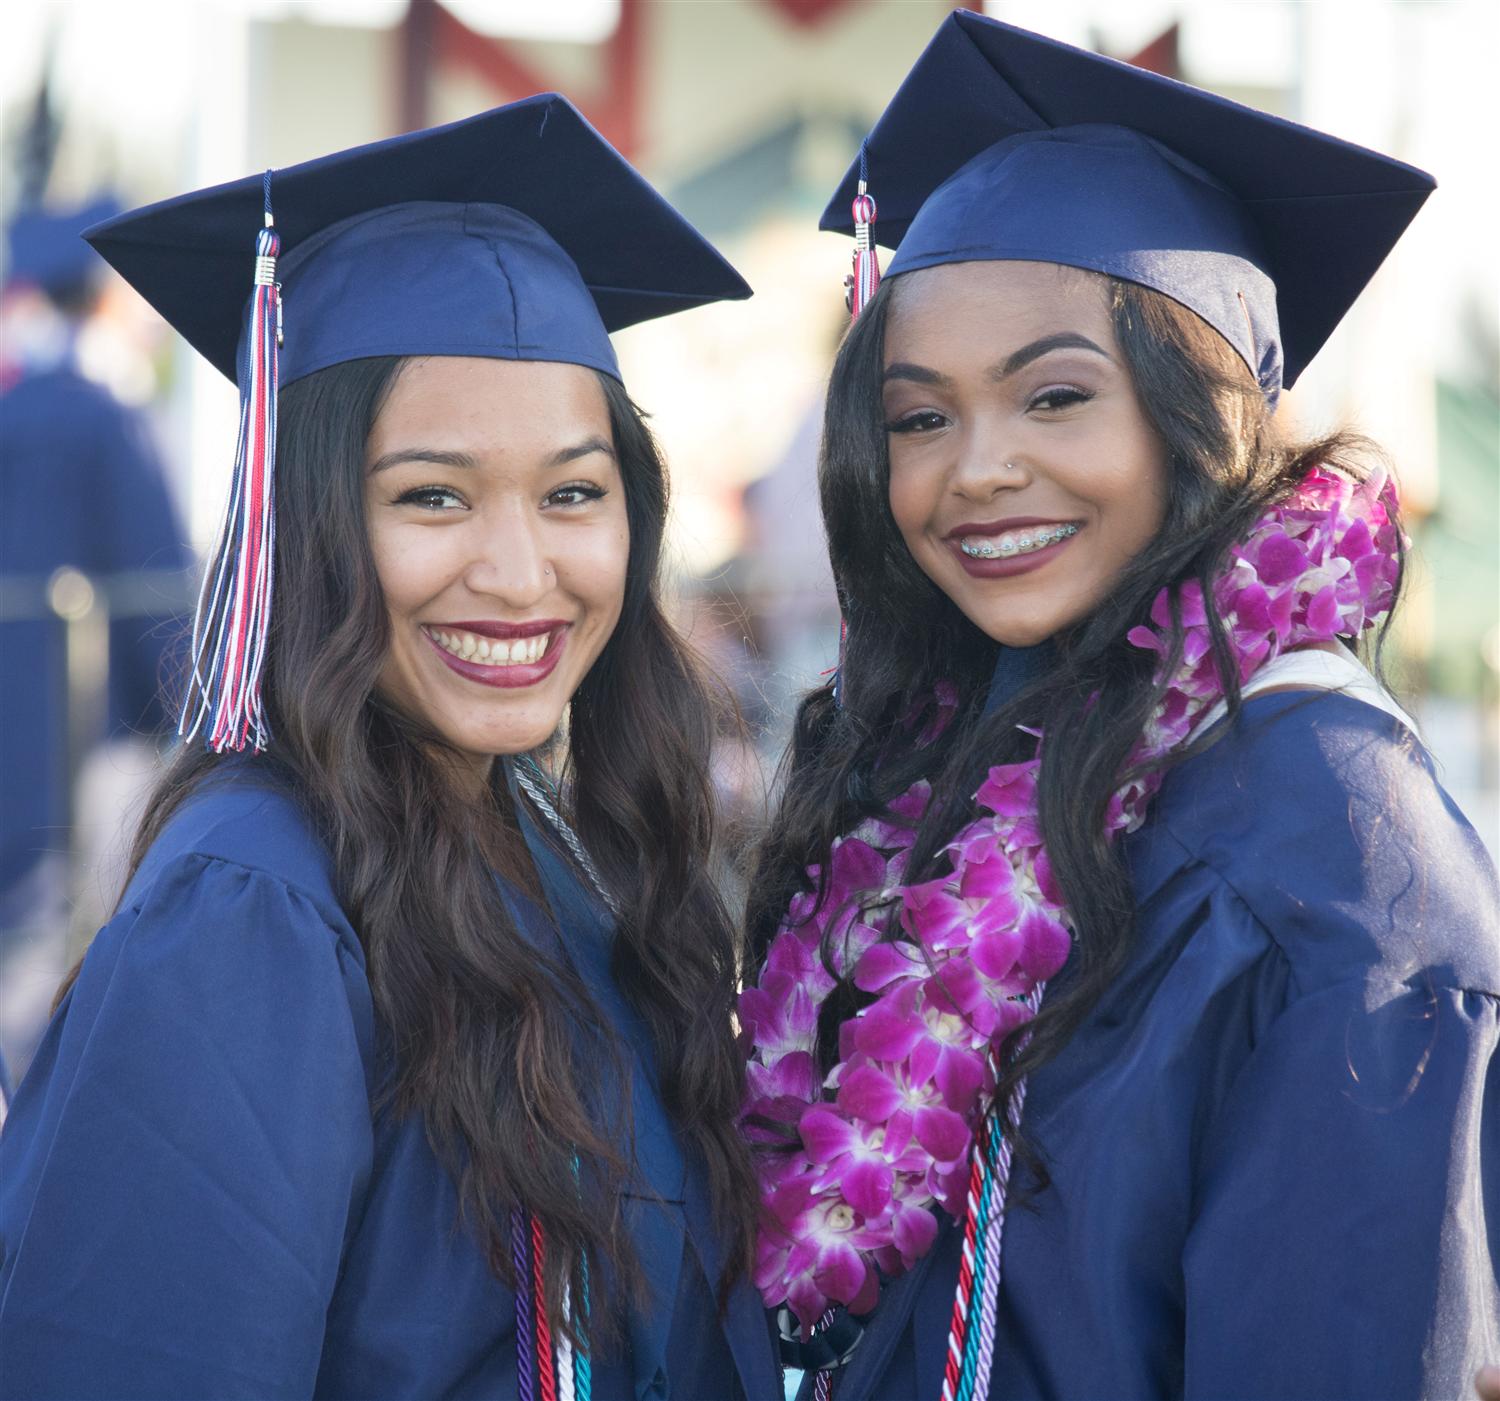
column 1015, row 669
column 467, row 774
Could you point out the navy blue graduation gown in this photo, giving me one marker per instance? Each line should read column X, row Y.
column 80, row 484
column 196, row 1200
column 1275, row 1144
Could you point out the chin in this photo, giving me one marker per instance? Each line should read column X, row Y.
column 1009, row 637
column 1017, row 632
column 478, row 721
column 492, row 732
column 1029, row 619
column 501, row 740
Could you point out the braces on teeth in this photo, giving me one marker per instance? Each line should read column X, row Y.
column 1023, row 542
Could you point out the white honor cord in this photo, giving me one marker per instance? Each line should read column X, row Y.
column 536, row 791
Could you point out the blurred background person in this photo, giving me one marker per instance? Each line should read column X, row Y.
column 91, row 560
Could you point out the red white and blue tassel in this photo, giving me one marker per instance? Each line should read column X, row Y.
column 859, row 287
column 232, row 625
column 865, row 278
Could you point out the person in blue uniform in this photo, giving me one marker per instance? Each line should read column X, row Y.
column 81, row 485
column 400, row 1071
column 1225, row 929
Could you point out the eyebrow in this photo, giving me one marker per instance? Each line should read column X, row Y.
column 560, row 458
column 563, row 456
column 433, row 455
column 1063, row 340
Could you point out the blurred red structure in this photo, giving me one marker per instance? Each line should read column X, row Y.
column 433, row 38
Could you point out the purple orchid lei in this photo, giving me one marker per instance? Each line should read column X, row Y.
column 887, row 1133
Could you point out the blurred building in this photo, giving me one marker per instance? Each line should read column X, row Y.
column 746, row 112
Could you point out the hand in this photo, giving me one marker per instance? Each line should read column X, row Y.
column 1487, row 1384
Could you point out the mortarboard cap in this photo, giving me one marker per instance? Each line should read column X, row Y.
column 46, row 248
column 1001, row 144
column 518, row 234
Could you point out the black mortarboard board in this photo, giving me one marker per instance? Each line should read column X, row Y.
column 1001, row 144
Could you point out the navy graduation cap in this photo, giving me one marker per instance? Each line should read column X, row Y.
column 518, row 234
column 1002, row 145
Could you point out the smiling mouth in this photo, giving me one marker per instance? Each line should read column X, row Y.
column 1024, row 541
column 492, row 651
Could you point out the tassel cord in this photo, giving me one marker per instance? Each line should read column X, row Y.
column 544, row 1353
column 231, row 625
column 971, row 1335
column 519, row 1235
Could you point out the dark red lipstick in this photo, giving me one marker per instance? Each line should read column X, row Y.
column 506, row 675
column 505, row 631
column 1006, row 566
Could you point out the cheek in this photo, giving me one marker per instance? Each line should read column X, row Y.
column 594, row 569
column 912, row 495
column 1153, row 509
column 1119, row 470
column 1142, row 497
column 414, row 563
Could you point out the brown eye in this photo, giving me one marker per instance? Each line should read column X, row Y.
column 922, row 421
column 1060, row 396
column 431, row 498
column 575, row 494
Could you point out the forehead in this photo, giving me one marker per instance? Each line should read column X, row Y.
column 451, row 401
column 994, row 306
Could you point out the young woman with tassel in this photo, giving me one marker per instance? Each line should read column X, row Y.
column 398, row 1071
column 1115, row 927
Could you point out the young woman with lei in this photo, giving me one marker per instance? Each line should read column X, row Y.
column 384, row 1080
column 1114, row 927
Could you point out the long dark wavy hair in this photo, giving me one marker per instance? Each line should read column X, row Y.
column 496, row 1044
column 1226, row 463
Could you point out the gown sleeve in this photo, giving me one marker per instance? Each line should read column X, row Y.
column 185, row 1157
column 1346, row 1213
column 1346, row 1235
